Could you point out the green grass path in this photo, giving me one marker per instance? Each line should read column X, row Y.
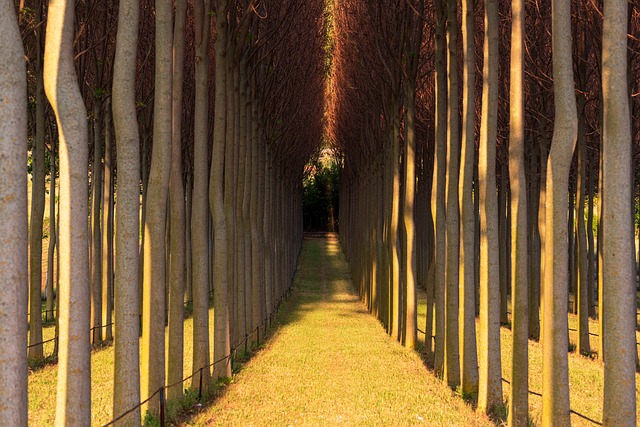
column 329, row 362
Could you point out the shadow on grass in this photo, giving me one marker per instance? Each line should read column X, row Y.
column 304, row 296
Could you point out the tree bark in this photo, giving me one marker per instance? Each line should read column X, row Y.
column 619, row 284
column 519, row 394
column 555, row 334
column 490, row 382
column 154, row 277
column 13, row 227
column 73, row 400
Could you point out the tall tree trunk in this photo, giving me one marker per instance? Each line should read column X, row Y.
column 582, row 288
column 13, row 227
column 468, row 348
column 154, row 281
column 107, row 228
column 53, row 230
column 619, row 284
column 519, row 394
column 177, row 212
column 96, row 221
column 452, row 352
column 200, row 210
column 409, row 258
column 555, row 334
column 73, row 405
column 37, row 211
column 490, row 387
column 438, row 188
column 221, row 346
column 126, row 391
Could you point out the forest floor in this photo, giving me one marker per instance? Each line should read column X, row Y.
column 329, row 362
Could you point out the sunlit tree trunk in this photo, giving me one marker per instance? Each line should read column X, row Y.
column 107, row 228
column 555, row 334
column 154, row 280
column 519, row 394
column 490, row 382
column 619, row 285
column 13, row 227
column 409, row 258
column 73, row 399
column 468, row 349
column 126, row 393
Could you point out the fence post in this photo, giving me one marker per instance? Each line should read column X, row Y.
column 162, row 407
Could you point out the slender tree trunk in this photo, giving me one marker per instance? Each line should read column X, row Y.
column 452, row 352
column 409, row 259
column 555, row 334
column 438, row 189
column 13, row 227
column 177, row 212
column 582, row 288
column 221, row 346
column 96, row 221
column 619, row 284
column 468, row 348
column 490, row 382
column 519, row 394
column 154, row 282
column 126, row 393
column 199, row 210
column 73, row 406
column 37, row 212
column 53, row 230
column 107, row 229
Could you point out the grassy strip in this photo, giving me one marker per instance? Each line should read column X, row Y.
column 330, row 362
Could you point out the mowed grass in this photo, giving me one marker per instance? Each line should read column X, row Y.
column 329, row 362
column 586, row 374
column 42, row 381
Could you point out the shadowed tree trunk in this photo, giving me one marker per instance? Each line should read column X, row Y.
column 37, row 210
column 221, row 347
column 200, row 209
column 73, row 399
column 490, row 383
column 13, row 227
column 452, row 353
column 177, row 212
column 519, row 394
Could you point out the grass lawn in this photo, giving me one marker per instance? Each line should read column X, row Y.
column 330, row 363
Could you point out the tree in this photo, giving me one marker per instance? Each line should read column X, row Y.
column 200, row 210
column 519, row 394
column 13, row 227
column 126, row 393
column 490, row 382
column 153, row 305
column 221, row 347
column 177, row 212
column 555, row 333
column 74, row 366
column 468, row 348
column 619, row 285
